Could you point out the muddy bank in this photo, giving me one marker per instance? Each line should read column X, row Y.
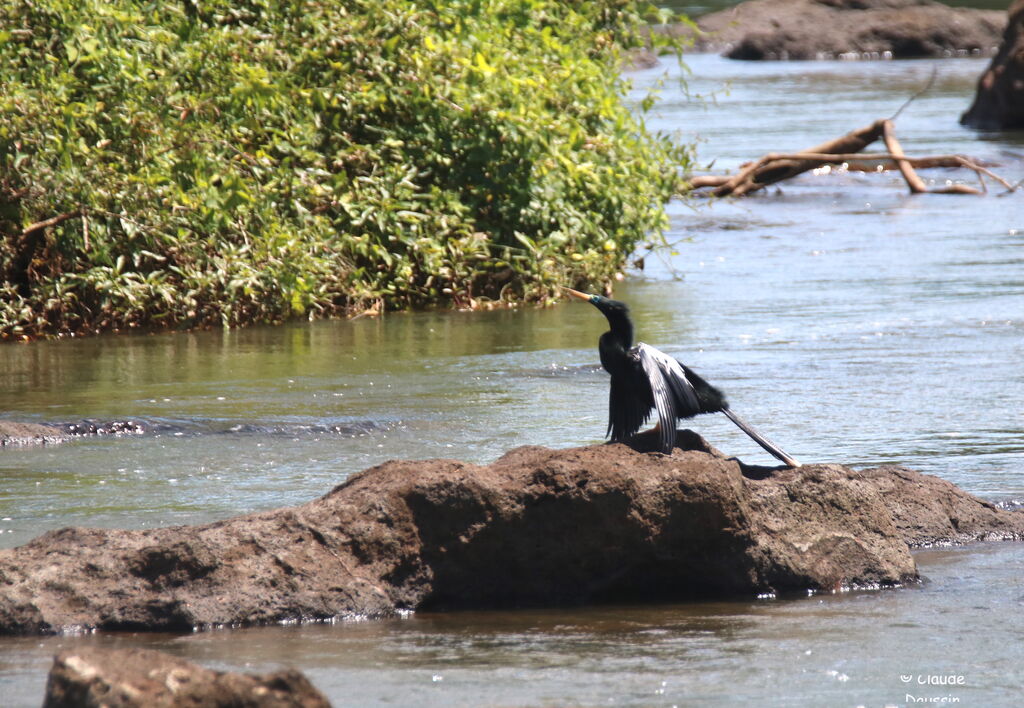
column 536, row 527
column 847, row 29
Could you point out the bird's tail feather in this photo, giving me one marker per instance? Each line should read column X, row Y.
column 761, row 440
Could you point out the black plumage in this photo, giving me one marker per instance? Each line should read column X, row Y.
column 645, row 379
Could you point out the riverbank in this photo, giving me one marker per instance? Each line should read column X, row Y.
column 861, row 30
column 170, row 169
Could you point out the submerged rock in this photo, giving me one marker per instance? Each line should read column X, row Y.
column 12, row 433
column 536, row 527
column 999, row 101
column 849, row 29
column 143, row 678
column 87, row 428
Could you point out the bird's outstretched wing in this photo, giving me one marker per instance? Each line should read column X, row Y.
column 629, row 404
column 679, row 384
column 663, row 402
column 674, row 389
column 673, row 393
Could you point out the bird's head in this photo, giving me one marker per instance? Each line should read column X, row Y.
column 604, row 304
column 616, row 311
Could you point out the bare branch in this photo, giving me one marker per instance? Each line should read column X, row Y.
column 52, row 221
column 925, row 89
column 775, row 167
column 916, row 184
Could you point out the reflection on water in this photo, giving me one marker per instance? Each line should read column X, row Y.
column 847, row 320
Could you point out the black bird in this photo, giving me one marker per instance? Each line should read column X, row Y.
column 644, row 378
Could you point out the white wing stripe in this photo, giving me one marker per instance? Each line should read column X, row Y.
column 654, row 365
column 675, row 376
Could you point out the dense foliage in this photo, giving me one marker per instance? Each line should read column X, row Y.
column 234, row 161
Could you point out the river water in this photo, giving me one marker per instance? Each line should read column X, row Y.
column 849, row 321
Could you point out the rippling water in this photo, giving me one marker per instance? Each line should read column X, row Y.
column 848, row 320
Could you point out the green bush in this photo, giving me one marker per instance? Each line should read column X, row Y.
column 185, row 164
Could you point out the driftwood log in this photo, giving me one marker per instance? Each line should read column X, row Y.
column 775, row 167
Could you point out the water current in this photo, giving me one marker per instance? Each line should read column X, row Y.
column 850, row 321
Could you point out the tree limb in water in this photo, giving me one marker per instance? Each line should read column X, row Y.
column 775, row 167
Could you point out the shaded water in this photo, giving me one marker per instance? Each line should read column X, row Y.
column 848, row 320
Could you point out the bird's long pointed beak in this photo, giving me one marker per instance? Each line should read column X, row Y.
column 577, row 293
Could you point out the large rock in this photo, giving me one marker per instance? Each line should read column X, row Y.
column 999, row 101
column 855, row 29
column 536, row 527
column 143, row 678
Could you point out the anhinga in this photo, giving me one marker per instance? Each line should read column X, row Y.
column 644, row 378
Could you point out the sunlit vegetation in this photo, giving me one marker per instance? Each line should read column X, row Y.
column 195, row 163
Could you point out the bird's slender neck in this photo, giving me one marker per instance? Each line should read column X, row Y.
column 621, row 329
column 615, row 343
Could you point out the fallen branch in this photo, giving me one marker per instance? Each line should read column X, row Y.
column 916, row 184
column 913, row 180
column 52, row 221
column 775, row 167
column 702, row 181
column 920, row 92
column 864, row 163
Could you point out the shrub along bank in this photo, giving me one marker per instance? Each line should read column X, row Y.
column 184, row 164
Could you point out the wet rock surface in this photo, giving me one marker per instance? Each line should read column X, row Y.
column 113, row 427
column 848, row 29
column 16, row 434
column 999, row 101
column 23, row 434
column 143, row 678
column 536, row 527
